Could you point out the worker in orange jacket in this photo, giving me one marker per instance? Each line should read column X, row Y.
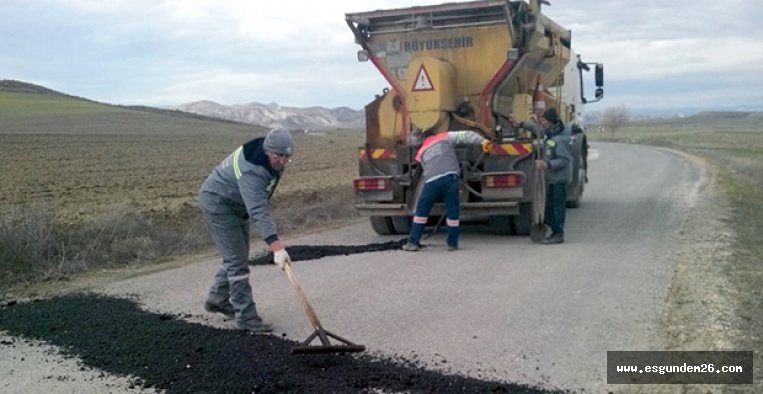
column 437, row 156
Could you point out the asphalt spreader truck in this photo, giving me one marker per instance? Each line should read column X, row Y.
column 482, row 66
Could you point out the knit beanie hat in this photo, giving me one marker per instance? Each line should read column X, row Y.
column 279, row 141
column 551, row 115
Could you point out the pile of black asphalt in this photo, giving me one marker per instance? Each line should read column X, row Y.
column 165, row 352
column 169, row 353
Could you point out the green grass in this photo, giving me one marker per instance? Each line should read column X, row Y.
column 752, row 154
column 15, row 105
column 729, row 133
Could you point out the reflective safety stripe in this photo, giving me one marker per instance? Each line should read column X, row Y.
column 236, row 169
column 551, row 143
column 238, row 278
column 452, row 223
column 461, row 137
column 428, row 142
column 420, row 219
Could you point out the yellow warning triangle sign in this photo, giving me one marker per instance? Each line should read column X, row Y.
column 422, row 81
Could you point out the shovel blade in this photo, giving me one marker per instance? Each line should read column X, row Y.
column 538, row 232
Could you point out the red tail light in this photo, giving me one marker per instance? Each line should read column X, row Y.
column 371, row 184
column 503, row 180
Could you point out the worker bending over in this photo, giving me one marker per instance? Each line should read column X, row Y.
column 437, row 156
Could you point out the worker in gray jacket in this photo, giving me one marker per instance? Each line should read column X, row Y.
column 557, row 161
column 236, row 192
column 438, row 158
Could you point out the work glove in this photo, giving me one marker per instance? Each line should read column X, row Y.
column 281, row 258
column 487, row 146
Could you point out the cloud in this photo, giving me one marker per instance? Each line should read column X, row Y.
column 671, row 53
column 301, row 53
column 643, row 60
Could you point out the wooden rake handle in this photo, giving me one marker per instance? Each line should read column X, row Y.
column 302, row 298
column 322, row 334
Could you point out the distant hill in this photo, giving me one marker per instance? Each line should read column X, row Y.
column 274, row 115
column 13, row 86
column 254, row 114
column 743, row 120
column 732, row 120
column 9, row 85
column 748, row 115
column 32, row 109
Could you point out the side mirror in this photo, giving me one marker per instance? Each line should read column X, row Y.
column 599, row 80
column 599, row 76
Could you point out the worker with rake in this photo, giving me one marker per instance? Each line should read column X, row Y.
column 236, row 193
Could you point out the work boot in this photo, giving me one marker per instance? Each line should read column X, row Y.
column 554, row 239
column 411, row 247
column 254, row 324
column 226, row 308
column 452, row 248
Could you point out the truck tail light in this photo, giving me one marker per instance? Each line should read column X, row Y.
column 502, row 180
column 371, row 184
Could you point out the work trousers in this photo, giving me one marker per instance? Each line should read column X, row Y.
column 556, row 206
column 445, row 187
column 231, row 235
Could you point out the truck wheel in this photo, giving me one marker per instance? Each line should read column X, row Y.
column 524, row 221
column 382, row 225
column 575, row 192
column 402, row 224
column 575, row 201
column 501, row 224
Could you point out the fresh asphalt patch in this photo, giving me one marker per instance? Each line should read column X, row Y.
column 162, row 351
column 314, row 252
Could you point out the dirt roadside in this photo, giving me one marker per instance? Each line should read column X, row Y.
column 710, row 305
column 91, row 280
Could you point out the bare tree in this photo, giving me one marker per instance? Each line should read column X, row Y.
column 614, row 117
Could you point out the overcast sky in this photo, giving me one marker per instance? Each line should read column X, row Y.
column 657, row 53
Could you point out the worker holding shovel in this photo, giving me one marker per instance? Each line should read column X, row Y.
column 557, row 161
column 236, row 193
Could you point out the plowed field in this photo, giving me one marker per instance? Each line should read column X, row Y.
column 78, row 176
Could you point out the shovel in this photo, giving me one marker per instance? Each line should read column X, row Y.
column 323, row 335
column 539, row 229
